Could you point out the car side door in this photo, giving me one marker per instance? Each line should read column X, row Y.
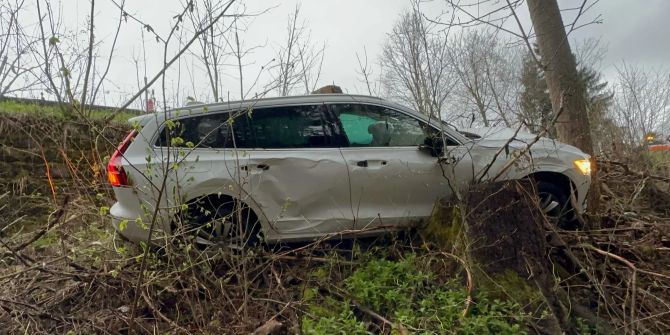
column 393, row 182
column 288, row 161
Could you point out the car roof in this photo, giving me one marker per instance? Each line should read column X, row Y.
column 286, row 100
column 196, row 108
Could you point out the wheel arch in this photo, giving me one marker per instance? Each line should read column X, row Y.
column 227, row 196
column 560, row 180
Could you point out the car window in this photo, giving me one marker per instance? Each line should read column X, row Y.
column 182, row 132
column 376, row 126
column 269, row 128
column 288, row 127
column 356, row 128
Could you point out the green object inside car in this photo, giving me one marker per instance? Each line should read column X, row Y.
column 356, row 128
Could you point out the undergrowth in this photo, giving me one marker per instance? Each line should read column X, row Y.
column 70, row 273
column 412, row 296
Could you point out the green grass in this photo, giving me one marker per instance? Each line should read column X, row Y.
column 409, row 294
column 19, row 108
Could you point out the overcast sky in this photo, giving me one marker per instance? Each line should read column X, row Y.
column 634, row 31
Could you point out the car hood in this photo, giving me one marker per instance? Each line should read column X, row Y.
column 499, row 137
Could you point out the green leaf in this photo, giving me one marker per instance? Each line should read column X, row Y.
column 176, row 141
column 104, row 210
column 141, row 223
column 170, row 124
column 123, row 225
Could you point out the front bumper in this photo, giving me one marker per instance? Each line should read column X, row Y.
column 582, row 184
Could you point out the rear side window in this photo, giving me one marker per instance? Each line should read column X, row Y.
column 206, row 131
column 268, row 128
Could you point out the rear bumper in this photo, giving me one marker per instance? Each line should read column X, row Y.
column 138, row 231
column 125, row 224
column 132, row 220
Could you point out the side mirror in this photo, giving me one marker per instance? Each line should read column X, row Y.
column 434, row 145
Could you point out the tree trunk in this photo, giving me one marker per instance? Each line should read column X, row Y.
column 499, row 230
column 565, row 88
column 561, row 74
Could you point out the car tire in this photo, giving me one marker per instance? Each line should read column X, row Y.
column 219, row 222
column 555, row 204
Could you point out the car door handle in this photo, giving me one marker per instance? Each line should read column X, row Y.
column 376, row 163
column 362, row 163
column 255, row 167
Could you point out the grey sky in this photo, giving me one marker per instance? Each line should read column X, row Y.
column 634, row 31
column 343, row 30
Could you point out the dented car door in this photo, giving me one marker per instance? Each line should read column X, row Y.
column 291, row 166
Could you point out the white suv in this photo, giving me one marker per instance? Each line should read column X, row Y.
column 307, row 167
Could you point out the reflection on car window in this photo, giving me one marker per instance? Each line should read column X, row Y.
column 375, row 126
column 270, row 128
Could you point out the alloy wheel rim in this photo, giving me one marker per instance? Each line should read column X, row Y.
column 221, row 231
column 550, row 205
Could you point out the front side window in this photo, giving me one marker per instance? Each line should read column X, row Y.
column 267, row 128
column 376, row 126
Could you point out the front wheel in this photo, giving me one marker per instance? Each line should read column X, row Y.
column 555, row 204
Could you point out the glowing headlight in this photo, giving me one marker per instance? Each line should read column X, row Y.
column 584, row 166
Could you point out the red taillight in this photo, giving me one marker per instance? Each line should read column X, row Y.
column 115, row 173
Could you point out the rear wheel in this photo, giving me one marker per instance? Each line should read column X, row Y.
column 218, row 221
column 556, row 206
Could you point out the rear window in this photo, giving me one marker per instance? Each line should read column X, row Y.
column 268, row 128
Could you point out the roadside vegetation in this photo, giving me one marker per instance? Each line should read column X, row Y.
column 19, row 108
column 488, row 261
column 63, row 268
